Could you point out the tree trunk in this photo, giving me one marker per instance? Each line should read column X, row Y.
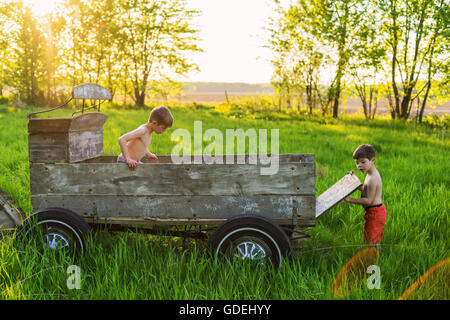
column 288, row 98
column 279, row 101
column 405, row 105
column 391, row 107
column 396, row 106
column 309, row 97
column 375, row 106
column 125, row 92
column 428, row 86
column 370, row 102
column 337, row 91
column 337, row 94
column 140, row 98
column 366, row 114
column 424, row 102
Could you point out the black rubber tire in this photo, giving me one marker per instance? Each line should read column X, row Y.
column 64, row 222
column 266, row 233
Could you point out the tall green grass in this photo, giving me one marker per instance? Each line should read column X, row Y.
column 412, row 160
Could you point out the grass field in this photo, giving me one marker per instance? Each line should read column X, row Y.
column 412, row 160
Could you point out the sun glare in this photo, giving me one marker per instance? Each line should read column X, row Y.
column 41, row 7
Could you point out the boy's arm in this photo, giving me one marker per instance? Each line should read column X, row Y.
column 366, row 199
column 150, row 156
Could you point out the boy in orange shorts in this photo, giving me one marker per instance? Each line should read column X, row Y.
column 375, row 211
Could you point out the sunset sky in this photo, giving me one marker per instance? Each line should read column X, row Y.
column 232, row 39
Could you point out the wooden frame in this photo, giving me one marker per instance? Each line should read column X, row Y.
column 52, row 140
column 168, row 193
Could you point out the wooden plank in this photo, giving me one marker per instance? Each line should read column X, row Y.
column 46, row 125
column 91, row 121
column 283, row 158
column 48, row 147
column 85, row 121
column 90, row 91
column 85, row 145
column 10, row 217
column 132, row 221
column 149, row 221
column 170, row 179
column 6, row 221
column 182, row 207
column 341, row 189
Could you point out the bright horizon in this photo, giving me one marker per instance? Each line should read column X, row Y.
column 232, row 38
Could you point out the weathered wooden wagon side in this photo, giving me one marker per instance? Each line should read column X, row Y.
column 103, row 191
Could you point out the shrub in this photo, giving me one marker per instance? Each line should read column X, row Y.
column 433, row 120
column 4, row 100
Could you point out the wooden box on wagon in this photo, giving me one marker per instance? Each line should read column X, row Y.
column 74, row 139
column 70, row 140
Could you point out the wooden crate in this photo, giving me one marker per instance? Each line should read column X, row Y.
column 168, row 193
column 59, row 140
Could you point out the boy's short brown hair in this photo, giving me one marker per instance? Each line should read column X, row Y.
column 364, row 151
column 162, row 116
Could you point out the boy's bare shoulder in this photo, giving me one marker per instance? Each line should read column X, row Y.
column 137, row 133
column 142, row 129
column 374, row 179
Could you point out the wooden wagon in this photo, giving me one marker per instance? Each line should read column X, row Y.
column 75, row 188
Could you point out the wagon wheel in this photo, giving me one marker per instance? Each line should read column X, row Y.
column 57, row 229
column 251, row 237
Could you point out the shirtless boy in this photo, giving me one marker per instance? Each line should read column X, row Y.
column 134, row 145
column 375, row 211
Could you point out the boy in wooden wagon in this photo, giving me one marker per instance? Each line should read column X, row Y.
column 134, row 145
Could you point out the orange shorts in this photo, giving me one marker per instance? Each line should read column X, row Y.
column 375, row 218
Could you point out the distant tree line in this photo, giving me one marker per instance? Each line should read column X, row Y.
column 231, row 87
column 391, row 49
column 128, row 46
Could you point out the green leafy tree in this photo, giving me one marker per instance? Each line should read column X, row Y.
column 412, row 31
column 437, row 60
column 333, row 25
column 4, row 47
column 297, row 60
column 366, row 61
column 27, row 51
column 154, row 38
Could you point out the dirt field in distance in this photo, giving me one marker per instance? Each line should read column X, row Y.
column 351, row 106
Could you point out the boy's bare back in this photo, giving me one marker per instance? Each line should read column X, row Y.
column 138, row 142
